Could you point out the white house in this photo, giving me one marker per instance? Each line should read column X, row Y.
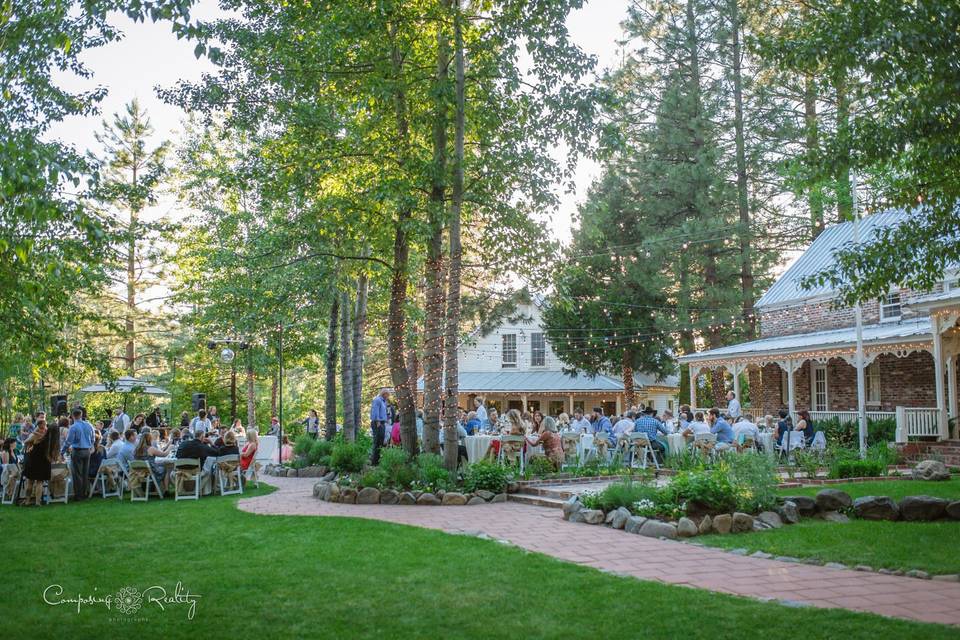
column 514, row 367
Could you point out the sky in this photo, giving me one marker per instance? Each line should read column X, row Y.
column 150, row 56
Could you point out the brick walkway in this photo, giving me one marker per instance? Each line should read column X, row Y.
column 542, row 530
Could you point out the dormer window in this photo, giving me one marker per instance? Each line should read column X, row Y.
column 890, row 310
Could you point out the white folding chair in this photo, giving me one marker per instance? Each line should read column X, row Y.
column 186, row 470
column 253, row 473
column 110, row 475
column 748, row 443
column 511, row 450
column 229, row 475
column 640, row 444
column 60, row 483
column 140, row 480
column 706, row 443
column 9, row 483
column 570, row 441
column 819, row 442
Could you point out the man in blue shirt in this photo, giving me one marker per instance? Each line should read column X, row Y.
column 80, row 442
column 721, row 428
column 649, row 425
column 601, row 426
column 123, row 448
column 378, row 424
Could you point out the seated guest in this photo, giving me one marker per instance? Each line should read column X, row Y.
column 197, row 448
column 648, row 424
column 146, row 450
column 229, row 447
column 472, row 427
column 720, row 428
column 602, row 427
column 624, row 425
column 744, row 429
column 123, row 448
column 696, row 426
column 97, row 454
column 769, row 424
column 581, row 423
column 8, row 452
column 669, row 422
column 784, row 424
column 249, row 449
column 494, row 417
column 550, row 439
column 563, row 422
column 805, row 424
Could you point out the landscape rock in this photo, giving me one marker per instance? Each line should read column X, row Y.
column 333, row 495
column 742, row 522
column 789, row 513
column 863, row 567
column 947, row 577
column 512, row 487
column 917, row 573
column 312, row 472
column 500, row 497
column 953, row 510
column 591, row 516
column 407, row 498
column 454, row 499
column 389, row 496
column 763, row 555
column 787, row 559
column 368, row 495
column 923, row 508
column 486, row 495
column 739, row 552
column 572, row 505
column 577, row 516
column 835, row 565
column 687, row 528
column 292, row 473
column 428, row 499
column 318, row 488
column 331, row 476
column 475, row 500
column 771, row 519
column 806, row 505
column 658, row 529
column 834, row 516
column 833, row 500
column 348, row 495
column 634, row 523
column 620, row 517
column 931, row 470
column 609, row 518
column 876, row 508
column 706, row 525
column 722, row 523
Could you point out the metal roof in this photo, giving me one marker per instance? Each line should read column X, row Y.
column 889, row 332
column 945, row 298
column 820, row 255
column 542, row 381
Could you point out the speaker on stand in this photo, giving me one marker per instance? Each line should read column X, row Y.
column 58, row 406
column 199, row 401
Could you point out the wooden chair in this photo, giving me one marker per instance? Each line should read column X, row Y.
column 705, row 444
column 9, row 483
column 60, row 483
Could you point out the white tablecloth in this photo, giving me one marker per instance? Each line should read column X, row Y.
column 268, row 450
column 477, row 447
column 676, row 443
column 586, row 444
column 767, row 443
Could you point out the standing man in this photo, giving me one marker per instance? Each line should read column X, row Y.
column 121, row 422
column 80, row 441
column 733, row 405
column 378, row 423
column 481, row 412
column 200, row 424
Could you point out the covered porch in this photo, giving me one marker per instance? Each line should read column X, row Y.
column 909, row 372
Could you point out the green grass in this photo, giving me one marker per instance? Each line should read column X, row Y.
column 931, row 546
column 293, row 577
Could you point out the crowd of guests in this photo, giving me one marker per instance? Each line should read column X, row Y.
column 32, row 447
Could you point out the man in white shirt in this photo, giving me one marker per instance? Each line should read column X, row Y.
column 200, row 424
column 745, row 428
column 481, row 411
column 624, row 425
column 580, row 423
column 121, row 422
column 733, row 405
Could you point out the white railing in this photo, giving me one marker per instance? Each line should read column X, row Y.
column 850, row 416
column 917, row 422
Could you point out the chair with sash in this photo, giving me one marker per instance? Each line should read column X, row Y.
column 10, row 483
column 110, row 475
column 511, row 450
column 141, row 481
column 229, row 475
column 639, row 445
column 705, row 444
column 58, row 487
column 187, row 476
column 570, row 441
column 601, row 447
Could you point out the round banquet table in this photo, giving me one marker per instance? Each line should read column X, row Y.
column 676, row 443
column 477, row 447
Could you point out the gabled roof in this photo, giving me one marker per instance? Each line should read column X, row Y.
column 820, row 255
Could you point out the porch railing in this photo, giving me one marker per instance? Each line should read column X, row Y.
column 850, row 416
column 914, row 422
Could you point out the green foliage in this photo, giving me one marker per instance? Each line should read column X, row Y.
column 349, row 457
column 809, row 461
column 624, row 494
column 400, row 471
column 710, row 489
column 846, row 433
column 486, row 476
column 302, row 446
column 754, row 479
column 374, row 477
column 846, row 463
column 431, row 474
column 320, row 450
column 539, row 467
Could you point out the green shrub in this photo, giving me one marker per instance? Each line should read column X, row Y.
column 348, row 457
column 857, row 469
column 302, row 446
column 432, row 474
column 846, row 434
column 319, row 449
column 625, row 494
column 486, row 476
column 754, row 479
column 375, row 478
column 540, row 467
column 709, row 490
column 398, row 469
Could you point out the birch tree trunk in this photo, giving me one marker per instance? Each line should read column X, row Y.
column 346, row 369
column 330, row 393
column 450, row 455
column 359, row 335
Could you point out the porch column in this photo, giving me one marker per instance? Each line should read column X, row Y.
column 570, row 405
column 693, row 386
column 952, row 385
column 523, row 401
column 619, row 404
column 736, row 370
column 791, row 396
column 938, row 377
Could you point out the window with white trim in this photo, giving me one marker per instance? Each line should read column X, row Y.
column 873, row 383
column 509, row 351
column 538, row 350
column 818, row 387
column 890, row 309
column 952, row 284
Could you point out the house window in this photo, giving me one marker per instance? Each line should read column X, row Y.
column 578, row 405
column 890, row 308
column 951, row 284
column 509, row 356
column 818, row 391
column 538, row 350
column 556, row 407
column 873, row 383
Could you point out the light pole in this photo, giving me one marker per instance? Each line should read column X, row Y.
column 227, row 356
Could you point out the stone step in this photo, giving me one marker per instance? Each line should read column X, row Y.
column 543, row 492
column 537, row 501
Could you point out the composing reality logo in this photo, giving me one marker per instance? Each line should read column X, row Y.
column 128, row 600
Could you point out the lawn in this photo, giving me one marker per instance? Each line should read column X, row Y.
column 931, row 546
column 293, row 577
